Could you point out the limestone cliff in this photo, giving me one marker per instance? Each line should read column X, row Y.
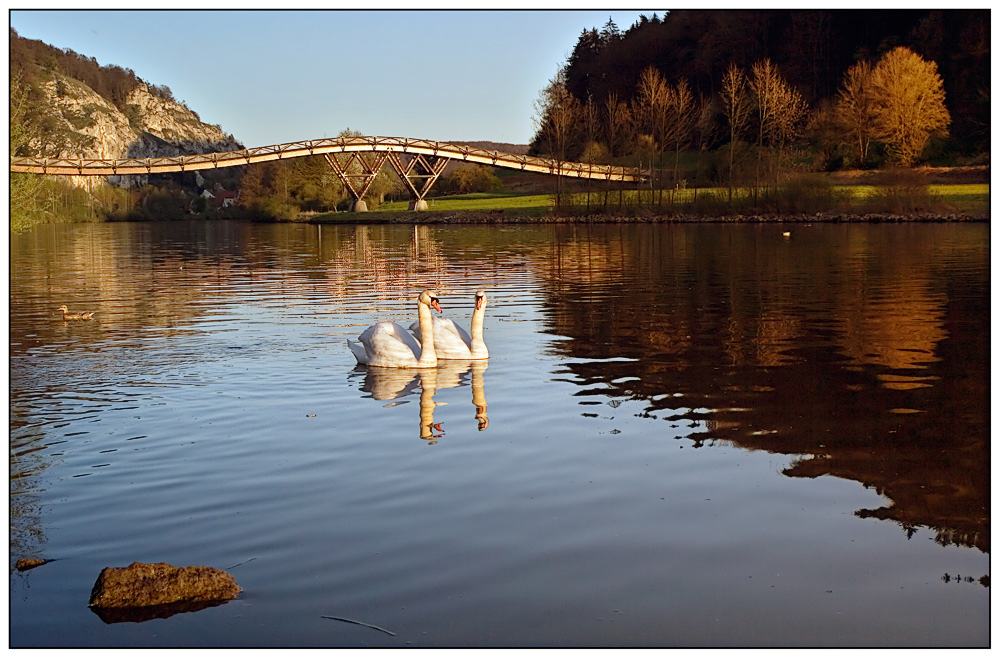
column 78, row 123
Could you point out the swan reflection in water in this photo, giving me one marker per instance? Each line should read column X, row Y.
column 397, row 383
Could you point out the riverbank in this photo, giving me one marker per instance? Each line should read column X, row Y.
column 507, row 217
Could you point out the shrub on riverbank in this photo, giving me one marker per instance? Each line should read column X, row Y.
column 274, row 209
column 904, row 191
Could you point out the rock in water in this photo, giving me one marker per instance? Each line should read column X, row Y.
column 26, row 563
column 140, row 585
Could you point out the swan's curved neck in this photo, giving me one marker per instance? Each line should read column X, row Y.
column 478, row 345
column 428, row 357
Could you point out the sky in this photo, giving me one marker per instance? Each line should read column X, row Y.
column 271, row 77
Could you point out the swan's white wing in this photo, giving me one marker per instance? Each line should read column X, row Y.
column 448, row 325
column 388, row 344
column 407, row 339
column 450, row 340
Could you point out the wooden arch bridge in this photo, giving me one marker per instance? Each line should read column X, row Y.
column 418, row 163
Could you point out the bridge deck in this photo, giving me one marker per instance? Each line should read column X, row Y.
column 221, row 159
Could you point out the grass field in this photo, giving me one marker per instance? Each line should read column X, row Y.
column 972, row 198
column 528, row 204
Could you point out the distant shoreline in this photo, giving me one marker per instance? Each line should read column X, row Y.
column 507, row 217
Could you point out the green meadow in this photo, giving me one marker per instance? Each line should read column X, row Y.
column 967, row 198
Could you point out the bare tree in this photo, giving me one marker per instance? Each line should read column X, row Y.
column 590, row 120
column 590, row 123
column 736, row 106
column 684, row 114
column 557, row 115
column 705, row 129
column 908, row 96
column 793, row 112
column 780, row 111
column 654, row 104
column 617, row 124
column 856, row 109
column 618, row 128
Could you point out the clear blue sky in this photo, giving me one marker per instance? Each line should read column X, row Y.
column 270, row 77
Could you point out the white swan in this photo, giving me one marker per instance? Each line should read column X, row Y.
column 453, row 342
column 388, row 344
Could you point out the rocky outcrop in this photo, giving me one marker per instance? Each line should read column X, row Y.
column 79, row 123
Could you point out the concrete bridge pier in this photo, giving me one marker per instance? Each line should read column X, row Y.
column 417, row 204
column 359, row 205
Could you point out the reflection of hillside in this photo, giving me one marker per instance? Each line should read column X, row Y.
column 946, row 498
column 835, row 354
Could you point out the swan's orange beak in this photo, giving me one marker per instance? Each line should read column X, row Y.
column 479, row 303
column 437, row 307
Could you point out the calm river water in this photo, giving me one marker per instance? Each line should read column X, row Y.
column 685, row 436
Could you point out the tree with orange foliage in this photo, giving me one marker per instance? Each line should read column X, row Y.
column 908, row 98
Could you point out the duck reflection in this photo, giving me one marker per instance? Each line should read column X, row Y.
column 393, row 384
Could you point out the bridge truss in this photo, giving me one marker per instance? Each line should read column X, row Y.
column 419, row 163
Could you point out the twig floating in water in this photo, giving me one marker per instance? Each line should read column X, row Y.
column 243, row 562
column 359, row 623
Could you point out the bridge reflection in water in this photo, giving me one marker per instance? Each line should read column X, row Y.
column 417, row 162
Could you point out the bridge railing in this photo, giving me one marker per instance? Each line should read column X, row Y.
column 221, row 159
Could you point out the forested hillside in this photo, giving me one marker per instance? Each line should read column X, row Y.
column 812, row 50
column 30, row 59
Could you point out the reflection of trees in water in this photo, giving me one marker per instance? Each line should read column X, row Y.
column 116, row 271
column 899, row 331
column 859, row 349
column 27, row 463
column 764, row 341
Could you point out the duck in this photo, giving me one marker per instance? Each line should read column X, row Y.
column 453, row 342
column 388, row 344
column 84, row 315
